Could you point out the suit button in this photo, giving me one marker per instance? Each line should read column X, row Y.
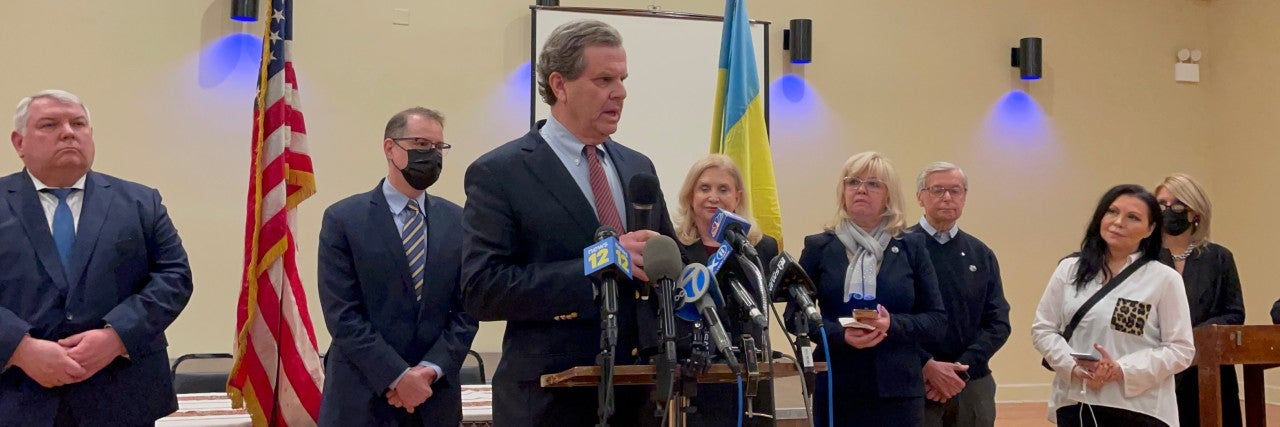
column 70, row 316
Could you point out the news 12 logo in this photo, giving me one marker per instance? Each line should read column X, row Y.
column 605, row 254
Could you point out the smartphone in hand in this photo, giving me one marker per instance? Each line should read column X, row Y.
column 1085, row 356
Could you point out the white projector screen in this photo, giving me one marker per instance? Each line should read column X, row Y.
column 672, row 62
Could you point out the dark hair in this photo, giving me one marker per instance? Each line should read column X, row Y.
column 396, row 126
column 1093, row 250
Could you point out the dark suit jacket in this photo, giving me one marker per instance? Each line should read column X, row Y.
column 128, row 269
column 1275, row 312
column 378, row 328
column 907, row 287
column 526, row 224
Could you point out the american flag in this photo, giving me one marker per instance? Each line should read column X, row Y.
column 277, row 375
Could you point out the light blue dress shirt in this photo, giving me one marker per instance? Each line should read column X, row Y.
column 569, row 149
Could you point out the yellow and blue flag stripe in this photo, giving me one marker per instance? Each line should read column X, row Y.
column 739, row 129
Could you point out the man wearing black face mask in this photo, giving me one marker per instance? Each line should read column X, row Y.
column 389, row 269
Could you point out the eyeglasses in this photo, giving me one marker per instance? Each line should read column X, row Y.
column 939, row 191
column 871, row 184
column 1175, row 206
column 423, row 144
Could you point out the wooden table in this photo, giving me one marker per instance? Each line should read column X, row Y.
column 1256, row 347
column 214, row 410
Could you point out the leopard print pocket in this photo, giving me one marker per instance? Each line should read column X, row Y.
column 1130, row 316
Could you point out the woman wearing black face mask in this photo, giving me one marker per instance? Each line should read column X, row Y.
column 1213, row 286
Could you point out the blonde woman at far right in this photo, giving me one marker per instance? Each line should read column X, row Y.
column 1213, row 285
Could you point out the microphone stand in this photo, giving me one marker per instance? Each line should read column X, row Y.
column 698, row 362
column 666, row 369
column 608, row 347
column 751, row 266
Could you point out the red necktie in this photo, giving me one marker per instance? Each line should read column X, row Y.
column 606, row 211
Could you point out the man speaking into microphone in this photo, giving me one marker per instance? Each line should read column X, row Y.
column 533, row 204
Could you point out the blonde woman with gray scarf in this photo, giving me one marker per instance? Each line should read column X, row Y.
column 864, row 260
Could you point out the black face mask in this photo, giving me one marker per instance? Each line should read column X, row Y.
column 1176, row 223
column 423, row 168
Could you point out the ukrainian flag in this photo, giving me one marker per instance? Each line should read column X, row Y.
column 739, row 129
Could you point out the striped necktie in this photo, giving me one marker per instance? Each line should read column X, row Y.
column 415, row 245
column 606, row 211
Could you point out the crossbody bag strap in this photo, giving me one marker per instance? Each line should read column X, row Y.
column 1097, row 296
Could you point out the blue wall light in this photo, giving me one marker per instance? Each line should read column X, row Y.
column 244, row 10
column 1027, row 58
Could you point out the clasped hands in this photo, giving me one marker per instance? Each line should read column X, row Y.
column 942, row 380
column 1096, row 374
column 413, row 389
column 69, row 360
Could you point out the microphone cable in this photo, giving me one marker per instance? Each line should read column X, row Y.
column 826, row 349
column 804, row 390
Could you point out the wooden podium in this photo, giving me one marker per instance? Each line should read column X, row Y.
column 1256, row 347
column 588, row 376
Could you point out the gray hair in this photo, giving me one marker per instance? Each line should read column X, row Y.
column 936, row 167
column 397, row 124
column 24, row 107
column 563, row 51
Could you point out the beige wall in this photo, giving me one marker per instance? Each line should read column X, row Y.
column 1244, row 98
column 917, row 80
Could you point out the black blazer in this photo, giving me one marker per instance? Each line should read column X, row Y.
column 1215, row 298
column 907, row 287
column 526, row 223
column 379, row 329
column 1213, row 286
column 128, row 269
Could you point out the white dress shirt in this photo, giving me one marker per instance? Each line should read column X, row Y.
column 1148, row 361
column 50, row 202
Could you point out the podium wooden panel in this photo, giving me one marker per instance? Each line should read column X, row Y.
column 580, row 376
column 1256, row 347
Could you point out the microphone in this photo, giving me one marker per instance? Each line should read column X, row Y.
column 729, row 227
column 603, row 261
column 744, row 299
column 606, row 259
column 789, row 279
column 694, row 283
column 699, row 292
column 645, row 193
column 663, row 265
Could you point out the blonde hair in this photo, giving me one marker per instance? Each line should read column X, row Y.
column 686, row 227
column 1189, row 191
column 878, row 165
